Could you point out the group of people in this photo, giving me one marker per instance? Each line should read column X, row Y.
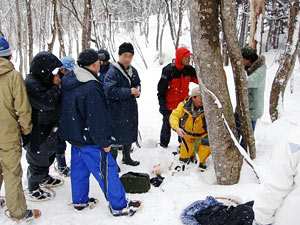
column 93, row 106
column 96, row 113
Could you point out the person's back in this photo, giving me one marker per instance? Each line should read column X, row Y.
column 81, row 89
column 12, row 86
column 277, row 202
column 15, row 120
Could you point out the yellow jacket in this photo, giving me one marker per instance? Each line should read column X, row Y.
column 183, row 117
column 15, row 109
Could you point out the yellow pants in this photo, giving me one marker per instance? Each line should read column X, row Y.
column 202, row 150
column 11, row 172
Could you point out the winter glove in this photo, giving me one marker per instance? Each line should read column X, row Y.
column 26, row 139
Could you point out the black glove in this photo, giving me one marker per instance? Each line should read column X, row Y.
column 26, row 139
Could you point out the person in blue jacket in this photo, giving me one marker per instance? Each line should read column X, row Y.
column 122, row 86
column 104, row 57
column 85, row 124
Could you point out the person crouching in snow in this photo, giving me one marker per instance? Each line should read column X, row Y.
column 278, row 200
column 85, row 123
column 173, row 88
column 188, row 120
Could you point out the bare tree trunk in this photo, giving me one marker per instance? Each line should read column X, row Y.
column 62, row 50
column 208, row 60
column 158, row 28
column 87, row 24
column 286, row 66
column 240, row 78
column 257, row 10
column 30, row 29
column 180, row 16
column 172, row 29
column 53, row 26
column 19, row 32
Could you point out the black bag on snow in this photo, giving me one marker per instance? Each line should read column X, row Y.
column 135, row 182
column 223, row 215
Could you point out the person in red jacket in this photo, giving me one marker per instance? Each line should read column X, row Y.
column 173, row 88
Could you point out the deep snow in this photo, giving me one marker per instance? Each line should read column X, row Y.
column 164, row 205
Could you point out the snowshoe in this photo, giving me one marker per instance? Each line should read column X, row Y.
column 64, row 171
column 39, row 195
column 131, row 208
column 51, row 182
column 31, row 215
column 91, row 204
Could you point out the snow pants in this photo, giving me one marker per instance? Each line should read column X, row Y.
column 88, row 160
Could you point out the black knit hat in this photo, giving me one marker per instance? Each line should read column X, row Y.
column 87, row 57
column 103, row 55
column 249, row 53
column 126, row 47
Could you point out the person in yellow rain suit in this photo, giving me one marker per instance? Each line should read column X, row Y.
column 188, row 120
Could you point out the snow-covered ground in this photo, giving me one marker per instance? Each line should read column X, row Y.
column 164, row 205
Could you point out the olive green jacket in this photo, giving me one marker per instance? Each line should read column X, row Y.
column 15, row 108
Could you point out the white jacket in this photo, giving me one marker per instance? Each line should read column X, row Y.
column 278, row 200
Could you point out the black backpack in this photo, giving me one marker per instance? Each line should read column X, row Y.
column 135, row 182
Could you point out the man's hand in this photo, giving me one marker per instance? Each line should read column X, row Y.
column 56, row 80
column 180, row 132
column 135, row 92
column 107, row 149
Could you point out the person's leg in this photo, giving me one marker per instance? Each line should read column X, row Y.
column 126, row 156
column 238, row 125
column 60, row 155
column 94, row 158
column 10, row 157
column 80, row 177
column 253, row 124
column 203, row 152
column 38, row 168
column 186, row 149
column 165, row 133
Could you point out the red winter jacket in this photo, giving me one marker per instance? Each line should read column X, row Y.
column 173, row 86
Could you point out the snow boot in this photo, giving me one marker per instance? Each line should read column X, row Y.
column 126, row 157
column 31, row 215
column 40, row 195
column 92, row 202
column 131, row 208
column 51, row 182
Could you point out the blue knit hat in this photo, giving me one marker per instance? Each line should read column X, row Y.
column 4, row 47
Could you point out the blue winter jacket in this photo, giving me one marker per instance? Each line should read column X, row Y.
column 84, row 118
column 122, row 104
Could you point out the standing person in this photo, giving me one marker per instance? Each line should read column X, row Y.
column 256, row 70
column 188, row 120
column 85, row 123
column 44, row 95
column 68, row 64
column 104, row 58
column 15, row 120
column 277, row 201
column 122, row 86
column 173, row 88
